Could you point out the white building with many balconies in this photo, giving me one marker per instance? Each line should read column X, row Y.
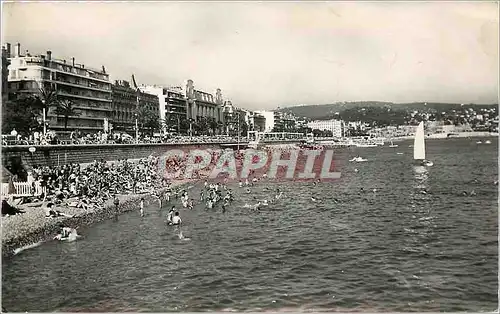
column 89, row 90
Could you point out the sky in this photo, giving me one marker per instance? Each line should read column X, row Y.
column 268, row 54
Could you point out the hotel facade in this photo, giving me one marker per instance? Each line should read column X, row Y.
column 88, row 89
column 126, row 103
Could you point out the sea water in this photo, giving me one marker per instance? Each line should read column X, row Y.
column 417, row 244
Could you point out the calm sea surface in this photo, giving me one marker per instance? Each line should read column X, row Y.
column 396, row 249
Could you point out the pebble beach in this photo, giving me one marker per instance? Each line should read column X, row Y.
column 33, row 227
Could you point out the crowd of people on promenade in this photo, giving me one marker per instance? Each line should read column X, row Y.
column 76, row 138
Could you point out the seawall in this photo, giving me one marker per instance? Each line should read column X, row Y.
column 51, row 155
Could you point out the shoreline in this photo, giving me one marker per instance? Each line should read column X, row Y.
column 444, row 136
column 31, row 227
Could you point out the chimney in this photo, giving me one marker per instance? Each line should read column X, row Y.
column 17, row 50
column 73, row 61
column 8, row 50
column 49, row 55
column 103, row 69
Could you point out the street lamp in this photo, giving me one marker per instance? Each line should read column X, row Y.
column 190, row 127
column 238, row 131
column 136, row 130
column 44, row 120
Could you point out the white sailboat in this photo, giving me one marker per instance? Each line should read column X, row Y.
column 419, row 147
column 392, row 144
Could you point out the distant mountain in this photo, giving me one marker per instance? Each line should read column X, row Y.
column 328, row 111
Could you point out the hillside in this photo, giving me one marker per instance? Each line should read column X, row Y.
column 327, row 111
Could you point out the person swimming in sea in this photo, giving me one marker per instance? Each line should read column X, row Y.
column 64, row 232
column 278, row 194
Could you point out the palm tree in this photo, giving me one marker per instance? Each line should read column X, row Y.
column 66, row 108
column 45, row 99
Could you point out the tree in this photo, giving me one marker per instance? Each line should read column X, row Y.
column 20, row 114
column 202, row 126
column 213, row 126
column 148, row 120
column 66, row 109
column 46, row 99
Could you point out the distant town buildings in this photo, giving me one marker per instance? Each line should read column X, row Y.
column 335, row 126
column 256, row 121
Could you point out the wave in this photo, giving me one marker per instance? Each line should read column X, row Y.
column 27, row 247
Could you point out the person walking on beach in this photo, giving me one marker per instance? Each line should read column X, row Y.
column 142, row 207
column 116, row 202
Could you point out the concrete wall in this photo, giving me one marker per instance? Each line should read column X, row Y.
column 50, row 155
column 19, row 157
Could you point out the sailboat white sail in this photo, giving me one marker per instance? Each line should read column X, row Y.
column 419, row 143
column 419, row 146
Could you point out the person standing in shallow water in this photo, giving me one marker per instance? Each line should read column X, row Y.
column 116, row 202
column 142, row 207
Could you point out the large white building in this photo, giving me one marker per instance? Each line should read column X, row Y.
column 269, row 116
column 335, row 126
column 89, row 90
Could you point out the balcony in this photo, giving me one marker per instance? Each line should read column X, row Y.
column 61, row 81
column 92, row 108
column 75, row 95
column 83, row 73
column 175, row 96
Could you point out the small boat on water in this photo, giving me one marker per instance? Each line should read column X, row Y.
column 393, row 145
column 419, row 147
column 487, row 142
column 479, row 142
